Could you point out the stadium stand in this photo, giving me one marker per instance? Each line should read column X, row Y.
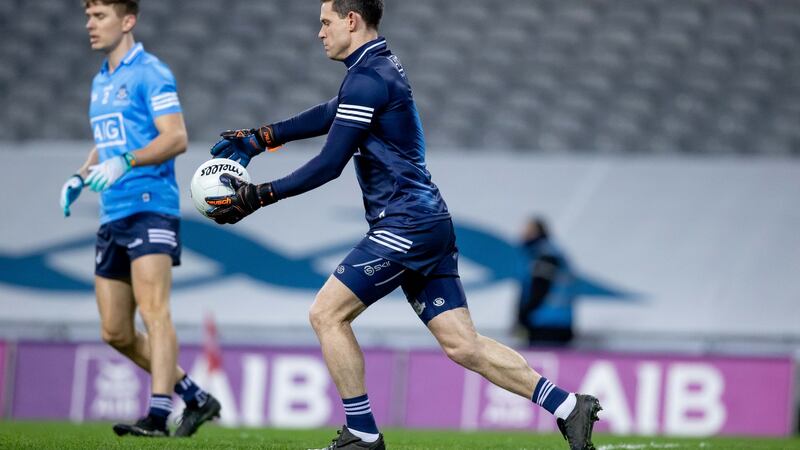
column 621, row 76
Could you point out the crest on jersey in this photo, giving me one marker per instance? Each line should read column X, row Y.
column 121, row 98
column 122, row 93
column 396, row 61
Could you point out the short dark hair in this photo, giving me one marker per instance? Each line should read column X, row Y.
column 123, row 7
column 370, row 10
column 541, row 223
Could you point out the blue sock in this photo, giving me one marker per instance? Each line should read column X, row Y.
column 160, row 409
column 554, row 399
column 190, row 392
column 359, row 416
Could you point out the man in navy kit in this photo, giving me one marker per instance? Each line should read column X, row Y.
column 138, row 130
column 374, row 121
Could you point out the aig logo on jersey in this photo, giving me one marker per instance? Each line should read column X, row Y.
column 109, row 130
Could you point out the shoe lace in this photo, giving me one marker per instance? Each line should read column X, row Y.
column 334, row 440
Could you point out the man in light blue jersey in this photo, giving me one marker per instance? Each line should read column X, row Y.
column 410, row 243
column 138, row 130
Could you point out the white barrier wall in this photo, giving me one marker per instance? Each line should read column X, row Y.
column 685, row 246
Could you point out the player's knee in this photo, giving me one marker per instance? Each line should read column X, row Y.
column 153, row 312
column 462, row 352
column 120, row 340
column 319, row 318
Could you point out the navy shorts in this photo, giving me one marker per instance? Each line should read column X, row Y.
column 121, row 241
column 420, row 248
column 372, row 276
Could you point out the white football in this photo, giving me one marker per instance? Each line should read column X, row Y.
column 205, row 181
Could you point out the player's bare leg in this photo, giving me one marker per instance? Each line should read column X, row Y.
column 117, row 309
column 334, row 309
column 496, row 362
column 151, row 276
column 507, row 369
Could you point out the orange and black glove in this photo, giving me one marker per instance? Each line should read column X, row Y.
column 242, row 145
column 246, row 198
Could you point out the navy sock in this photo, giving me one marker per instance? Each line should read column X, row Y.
column 190, row 392
column 359, row 415
column 160, row 409
column 549, row 396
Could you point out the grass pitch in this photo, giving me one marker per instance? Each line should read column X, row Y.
column 65, row 436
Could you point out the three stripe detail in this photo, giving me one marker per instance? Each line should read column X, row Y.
column 544, row 391
column 355, row 113
column 164, row 403
column 356, row 409
column 164, row 101
column 391, row 240
column 162, row 236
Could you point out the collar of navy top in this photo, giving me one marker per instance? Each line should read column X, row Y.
column 135, row 51
column 371, row 46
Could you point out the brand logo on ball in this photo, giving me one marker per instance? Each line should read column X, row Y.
column 221, row 168
column 439, row 301
column 206, row 183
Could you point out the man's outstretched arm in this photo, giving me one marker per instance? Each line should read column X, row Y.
column 340, row 146
column 327, row 165
column 242, row 145
column 310, row 123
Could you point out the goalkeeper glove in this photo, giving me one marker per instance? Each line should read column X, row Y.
column 103, row 175
column 70, row 192
column 244, row 201
column 242, row 145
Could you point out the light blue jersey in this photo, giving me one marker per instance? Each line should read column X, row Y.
column 123, row 110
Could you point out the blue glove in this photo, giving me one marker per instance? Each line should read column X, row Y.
column 242, row 145
column 70, row 192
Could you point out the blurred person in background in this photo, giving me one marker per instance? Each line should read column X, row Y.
column 545, row 305
column 410, row 244
column 138, row 128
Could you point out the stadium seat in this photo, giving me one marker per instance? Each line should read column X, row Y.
column 606, row 76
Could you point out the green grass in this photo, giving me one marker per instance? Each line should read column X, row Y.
column 65, row 436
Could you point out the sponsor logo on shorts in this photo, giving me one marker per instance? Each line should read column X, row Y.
column 340, row 270
column 370, row 270
column 418, row 307
column 439, row 301
column 99, row 258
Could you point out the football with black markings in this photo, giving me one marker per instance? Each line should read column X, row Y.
column 206, row 183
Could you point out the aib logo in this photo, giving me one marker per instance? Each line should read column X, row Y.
column 239, row 255
column 109, row 130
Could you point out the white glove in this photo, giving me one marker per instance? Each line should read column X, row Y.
column 103, row 175
column 70, row 192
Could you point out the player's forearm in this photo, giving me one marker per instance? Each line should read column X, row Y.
column 91, row 160
column 310, row 123
column 328, row 165
column 164, row 147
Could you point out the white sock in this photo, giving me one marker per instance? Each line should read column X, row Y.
column 367, row 437
column 565, row 408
